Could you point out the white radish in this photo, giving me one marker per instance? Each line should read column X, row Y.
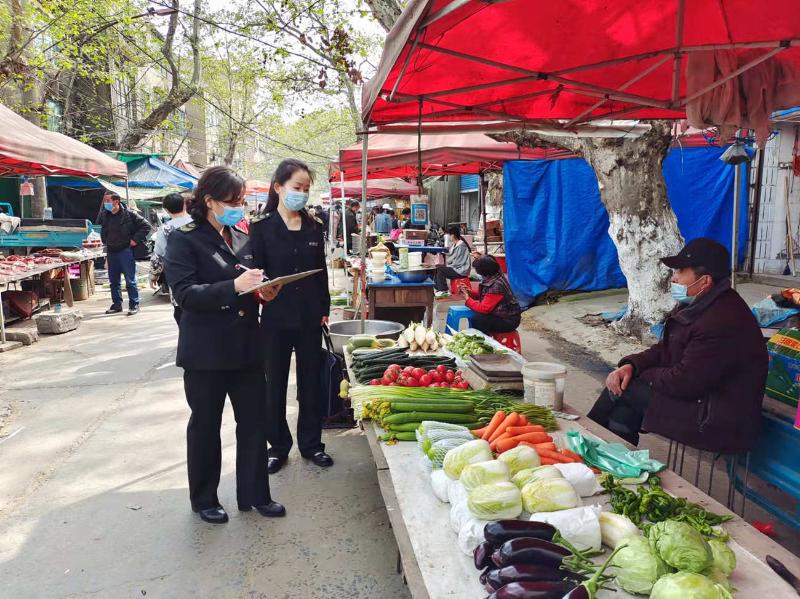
column 419, row 334
column 409, row 333
column 413, row 346
column 430, row 337
column 402, row 342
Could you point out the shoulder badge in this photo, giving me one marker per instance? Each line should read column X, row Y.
column 319, row 220
column 188, row 227
column 260, row 216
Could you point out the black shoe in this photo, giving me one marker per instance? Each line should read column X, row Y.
column 114, row 309
column 321, row 459
column 133, row 310
column 273, row 509
column 274, row 464
column 214, row 515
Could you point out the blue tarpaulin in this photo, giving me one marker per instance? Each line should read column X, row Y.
column 146, row 173
column 556, row 227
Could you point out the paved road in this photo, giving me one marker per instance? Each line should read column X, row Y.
column 93, row 493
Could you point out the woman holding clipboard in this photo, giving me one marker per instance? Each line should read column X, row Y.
column 287, row 240
column 208, row 265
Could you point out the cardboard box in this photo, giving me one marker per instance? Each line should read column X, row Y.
column 783, row 378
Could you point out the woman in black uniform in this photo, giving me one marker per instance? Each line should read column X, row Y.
column 287, row 240
column 218, row 345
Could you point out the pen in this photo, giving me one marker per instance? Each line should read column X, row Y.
column 243, row 267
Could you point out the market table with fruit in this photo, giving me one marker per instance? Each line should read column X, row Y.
column 451, row 460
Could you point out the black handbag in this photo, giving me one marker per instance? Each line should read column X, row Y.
column 337, row 412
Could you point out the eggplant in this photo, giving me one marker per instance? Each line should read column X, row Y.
column 543, row 589
column 529, row 551
column 526, row 573
column 579, row 592
column 483, row 555
column 501, row 531
column 485, row 575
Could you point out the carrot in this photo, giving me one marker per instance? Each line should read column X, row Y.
column 479, row 432
column 523, row 420
column 553, row 455
column 510, row 420
column 548, row 461
column 532, row 437
column 571, row 454
column 502, row 437
column 546, row 446
column 502, row 445
column 521, row 430
column 493, row 424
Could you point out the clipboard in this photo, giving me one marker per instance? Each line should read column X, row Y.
column 281, row 280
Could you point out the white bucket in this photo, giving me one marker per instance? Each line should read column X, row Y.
column 544, row 384
column 414, row 260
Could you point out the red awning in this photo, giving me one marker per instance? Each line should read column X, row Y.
column 26, row 149
column 377, row 188
column 446, row 154
column 517, row 61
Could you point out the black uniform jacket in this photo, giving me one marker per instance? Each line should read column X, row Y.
column 219, row 328
column 282, row 252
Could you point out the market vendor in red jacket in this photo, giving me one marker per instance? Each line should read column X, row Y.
column 497, row 309
column 703, row 383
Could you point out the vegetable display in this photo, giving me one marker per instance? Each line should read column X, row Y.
column 464, row 345
column 410, row 376
column 681, row 546
column 651, row 503
column 371, row 365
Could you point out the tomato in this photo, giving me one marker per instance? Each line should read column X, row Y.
column 435, row 376
column 433, row 385
column 408, row 370
column 418, row 372
column 441, row 369
column 425, row 380
column 393, row 385
column 444, row 385
column 375, row 382
column 401, row 380
column 394, row 367
column 462, row 385
column 391, row 374
column 459, row 373
column 412, row 382
column 449, row 376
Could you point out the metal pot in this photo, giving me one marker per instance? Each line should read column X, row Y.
column 342, row 330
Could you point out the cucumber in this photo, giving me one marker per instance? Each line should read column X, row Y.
column 408, row 427
column 406, row 417
column 464, row 407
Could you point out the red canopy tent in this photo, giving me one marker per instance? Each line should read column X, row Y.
column 376, row 188
column 26, row 149
column 443, row 154
column 582, row 60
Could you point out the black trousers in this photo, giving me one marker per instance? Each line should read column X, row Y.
column 623, row 415
column 205, row 392
column 307, row 346
column 176, row 314
column 487, row 323
column 442, row 274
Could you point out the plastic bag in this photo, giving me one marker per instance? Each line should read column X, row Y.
column 580, row 525
column 440, row 483
column 459, row 514
column 425, row 466
column 581, row 477
column 439, row 450
column 767, row 312
column 456, row 492
column 471, row 535
column 613, row 457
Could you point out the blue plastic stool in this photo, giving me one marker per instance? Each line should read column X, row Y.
column 455, row 315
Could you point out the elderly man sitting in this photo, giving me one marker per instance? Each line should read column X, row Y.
column 703, row 383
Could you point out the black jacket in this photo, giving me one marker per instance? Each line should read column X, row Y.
column 118, row 230
column 281, row 252
column 218, row 328
column 707, row 374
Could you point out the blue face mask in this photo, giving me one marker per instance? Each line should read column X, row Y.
column 230, row 216
column 680, row 293
column 295, row 200
column 108, row 206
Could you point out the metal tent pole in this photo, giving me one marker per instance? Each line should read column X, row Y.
column 482, row 199
column 363, row 248
column 737, row 196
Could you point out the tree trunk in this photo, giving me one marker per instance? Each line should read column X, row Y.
column 642, row 224
column 179, row 93
column 385, row 12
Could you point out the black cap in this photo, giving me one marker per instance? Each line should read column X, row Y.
column 703, row 252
